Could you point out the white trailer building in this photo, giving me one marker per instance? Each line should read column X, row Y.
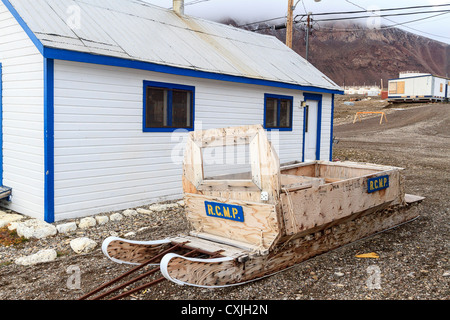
column 97, row 96
column 416, row 87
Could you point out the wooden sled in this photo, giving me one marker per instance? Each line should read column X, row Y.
column 271, row 218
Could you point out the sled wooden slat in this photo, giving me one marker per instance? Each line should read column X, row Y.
column 260, row 228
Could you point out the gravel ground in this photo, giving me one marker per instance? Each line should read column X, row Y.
column 413, row 261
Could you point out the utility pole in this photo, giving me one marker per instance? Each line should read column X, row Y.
column 308, row 28
column 290, row 24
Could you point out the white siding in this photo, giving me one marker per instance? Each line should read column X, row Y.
column 103, row 159
column 439, row 84
column 23, row 138
column 420, row 86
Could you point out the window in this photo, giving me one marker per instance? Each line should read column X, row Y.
column 168, row 107
column 306, row 118
column 278, row 112
column 397, row 87
column 401, row 87
column 392, row 87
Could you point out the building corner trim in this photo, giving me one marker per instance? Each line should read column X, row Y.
column 49, row 151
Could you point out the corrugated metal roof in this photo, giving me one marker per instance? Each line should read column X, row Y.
column 136, row 30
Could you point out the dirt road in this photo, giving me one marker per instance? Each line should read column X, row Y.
column 413, row 259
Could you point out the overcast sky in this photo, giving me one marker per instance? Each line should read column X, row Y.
column 246, row 11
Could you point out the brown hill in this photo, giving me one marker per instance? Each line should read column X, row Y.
column 369, row 55
column 351, row 54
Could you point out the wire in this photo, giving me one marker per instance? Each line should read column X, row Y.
column 262, row 21
column 403, row 23
column 411, row 28
column 380, row 16
column 356, row 5
column 441, row 12
column 378, row 10
column 383, row 27
column 195, row 2
column 350, row 12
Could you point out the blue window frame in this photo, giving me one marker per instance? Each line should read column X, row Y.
column 168, row 107
column 278, row 112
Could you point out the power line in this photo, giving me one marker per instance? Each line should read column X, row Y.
column 378, row 10
column 380, row 16
column 195, row 2
column 384, row 27
column 441, row 12
column 417, row 20
column 356, row 5
column 411, row 28
column 351, row 12
column 262, row 21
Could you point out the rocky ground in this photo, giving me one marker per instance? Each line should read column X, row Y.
column 412, row 263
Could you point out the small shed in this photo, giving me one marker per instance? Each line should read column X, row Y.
column 98, row 97
column 416, row 87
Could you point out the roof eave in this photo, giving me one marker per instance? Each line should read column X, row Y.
column 67, row 55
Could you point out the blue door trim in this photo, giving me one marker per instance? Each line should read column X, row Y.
column 332, row 127
column 49, row 150
column 318, row 98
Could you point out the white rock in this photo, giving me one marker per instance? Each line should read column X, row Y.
column 339, row 274
column 130, row 234
column 116, row 217
column 40, row 257
column 34, row 228
column 13, row 226
column 83, row 245
column 113, row 234
column 129, row 213
column 101, row 220
column 158, row 207
column 162, row 207
column 7, row 218
column 180, row 203
column 66, row 227
column 143, row 229
column 446, row 274
column 144, row 211
column 87, row 223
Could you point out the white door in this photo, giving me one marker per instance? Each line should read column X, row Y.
column 311, row 114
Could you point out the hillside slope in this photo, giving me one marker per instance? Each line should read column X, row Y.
column 354, row 55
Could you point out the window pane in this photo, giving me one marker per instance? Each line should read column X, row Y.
column 306, row 118
column 271, row 112
column 156, row 107
column 285, row 113
column 393, row 87
column 181, row 109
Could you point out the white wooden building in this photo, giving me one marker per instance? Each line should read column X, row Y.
column 94, row 93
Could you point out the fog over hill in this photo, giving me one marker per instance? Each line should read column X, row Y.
column 353, row 54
